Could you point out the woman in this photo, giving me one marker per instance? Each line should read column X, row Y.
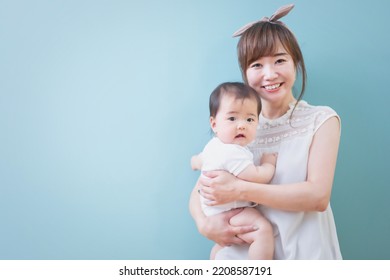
column 306, row 138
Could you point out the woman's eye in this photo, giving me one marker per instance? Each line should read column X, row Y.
column 256, row 65
column 279, row 61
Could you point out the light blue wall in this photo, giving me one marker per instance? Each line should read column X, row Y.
column 102, row 103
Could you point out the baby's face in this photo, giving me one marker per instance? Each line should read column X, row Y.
column 236, row 121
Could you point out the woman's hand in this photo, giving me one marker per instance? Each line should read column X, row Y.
column 219, row 187
column 218, row 228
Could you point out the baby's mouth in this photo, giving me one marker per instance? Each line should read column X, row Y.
column 240, row 136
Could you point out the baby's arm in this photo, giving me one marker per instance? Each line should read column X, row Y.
column 260, row 174
column 196, row 162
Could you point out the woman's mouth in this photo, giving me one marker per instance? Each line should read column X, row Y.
column 272, row 87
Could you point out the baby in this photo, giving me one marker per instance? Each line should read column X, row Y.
column 234, row 116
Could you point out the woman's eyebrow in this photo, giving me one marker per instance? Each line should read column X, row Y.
column 280, row 54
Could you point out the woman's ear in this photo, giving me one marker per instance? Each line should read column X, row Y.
column 213, row 125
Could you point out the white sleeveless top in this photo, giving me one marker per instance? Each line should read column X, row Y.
column 298, row 235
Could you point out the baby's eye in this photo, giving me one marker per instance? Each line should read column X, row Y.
column 250, row 120
column 232, row 119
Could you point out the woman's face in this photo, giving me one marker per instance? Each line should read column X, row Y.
column 273, row 76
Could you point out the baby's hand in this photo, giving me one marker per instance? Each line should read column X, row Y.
column 196, row 162
column 269, row 158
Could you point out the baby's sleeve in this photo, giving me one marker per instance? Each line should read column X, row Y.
column 239, row 158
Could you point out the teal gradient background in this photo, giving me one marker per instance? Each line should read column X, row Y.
column 102, row 104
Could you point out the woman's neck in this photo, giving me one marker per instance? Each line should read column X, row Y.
column 273, row 110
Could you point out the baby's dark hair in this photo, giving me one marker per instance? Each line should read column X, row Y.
column 235, row 89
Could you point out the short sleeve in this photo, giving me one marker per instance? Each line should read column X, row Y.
column 239, row 159
column 324, row 113
column 230, row 157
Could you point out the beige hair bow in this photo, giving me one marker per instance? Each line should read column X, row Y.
column 281, row 12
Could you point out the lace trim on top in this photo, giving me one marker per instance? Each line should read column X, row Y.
column 305, row 119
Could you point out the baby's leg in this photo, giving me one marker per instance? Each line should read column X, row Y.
column 261, row 240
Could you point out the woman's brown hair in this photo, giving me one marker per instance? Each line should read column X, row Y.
column 262, row 39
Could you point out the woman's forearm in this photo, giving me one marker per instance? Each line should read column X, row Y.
column 303, row 196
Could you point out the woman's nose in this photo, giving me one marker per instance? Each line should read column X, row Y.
column 270, row 73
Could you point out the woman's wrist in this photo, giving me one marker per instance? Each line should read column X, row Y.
column 238, row 190
column 245, row 191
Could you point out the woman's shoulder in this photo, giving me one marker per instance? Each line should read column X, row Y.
column 318, row 113
column 315, row 109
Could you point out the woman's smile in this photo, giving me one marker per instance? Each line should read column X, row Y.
column 272, row 87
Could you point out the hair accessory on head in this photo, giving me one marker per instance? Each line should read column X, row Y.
column 281, row 12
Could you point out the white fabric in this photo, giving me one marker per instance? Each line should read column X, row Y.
column 298, row 235
column 234, row 158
